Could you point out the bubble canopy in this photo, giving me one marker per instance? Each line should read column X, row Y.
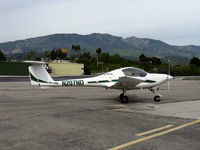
column 134, row 72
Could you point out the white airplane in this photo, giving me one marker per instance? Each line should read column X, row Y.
column 124, row 79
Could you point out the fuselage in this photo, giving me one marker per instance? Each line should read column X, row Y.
column 109, row 79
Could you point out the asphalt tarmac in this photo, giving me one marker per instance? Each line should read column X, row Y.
column 77, row 118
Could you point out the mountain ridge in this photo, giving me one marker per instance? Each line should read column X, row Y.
column 131, row 46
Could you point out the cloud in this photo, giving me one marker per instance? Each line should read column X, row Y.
column 169, row 20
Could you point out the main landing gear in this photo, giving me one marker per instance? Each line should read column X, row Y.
column 158, row 96
column 123, row 97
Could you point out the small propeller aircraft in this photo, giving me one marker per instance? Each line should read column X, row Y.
column 124, row 79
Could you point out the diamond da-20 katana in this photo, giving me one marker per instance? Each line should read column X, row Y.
column 124, row 79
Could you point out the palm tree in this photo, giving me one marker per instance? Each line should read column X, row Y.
column 76, row 48
column 98, row 51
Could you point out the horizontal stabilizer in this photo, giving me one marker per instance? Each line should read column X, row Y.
column 34, row 62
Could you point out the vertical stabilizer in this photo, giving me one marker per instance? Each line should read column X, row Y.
column 38, row 74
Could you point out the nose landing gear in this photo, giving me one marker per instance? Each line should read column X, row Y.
column 158, row 96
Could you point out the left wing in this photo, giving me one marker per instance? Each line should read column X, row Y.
column 127, row 82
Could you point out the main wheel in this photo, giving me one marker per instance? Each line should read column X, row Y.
column 121, row 95
column 157, row 98
column 124, row 99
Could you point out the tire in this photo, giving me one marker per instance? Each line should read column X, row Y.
column 157, row 98
column 124, row 99
column 121, row 95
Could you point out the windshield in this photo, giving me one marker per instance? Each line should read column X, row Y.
column 134, row 72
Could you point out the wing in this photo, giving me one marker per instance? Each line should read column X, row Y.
column 127, row 82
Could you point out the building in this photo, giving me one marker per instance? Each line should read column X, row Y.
column 60, row 68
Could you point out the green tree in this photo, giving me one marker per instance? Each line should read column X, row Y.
column 86, row 56
column 154, row 60
column 105, row 57
column 47, row 55
column 2, row 56
column 76, row 49
column 57, row 54
column 53, row 54
column 195, row 61
column 143, row 58
column 61, row 54
column 30, row 55
column 116, row 59
column 98, row 51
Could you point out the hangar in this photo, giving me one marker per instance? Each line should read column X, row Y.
column 65, row 68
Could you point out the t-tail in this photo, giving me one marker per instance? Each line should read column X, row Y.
column 39, row 76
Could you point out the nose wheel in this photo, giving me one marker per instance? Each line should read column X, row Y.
column 123, row 97
column 158, row 96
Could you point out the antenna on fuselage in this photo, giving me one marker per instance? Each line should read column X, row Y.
column 168, row 84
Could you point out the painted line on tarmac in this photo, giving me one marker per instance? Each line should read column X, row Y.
column 154, row 135
column 154, row 130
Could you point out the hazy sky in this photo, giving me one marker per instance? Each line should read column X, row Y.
column 173, row 21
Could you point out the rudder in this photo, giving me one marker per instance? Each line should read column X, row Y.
column 38, row 74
